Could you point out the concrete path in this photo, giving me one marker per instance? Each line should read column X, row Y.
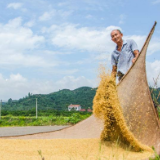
column 88, row 128
column 18, row 131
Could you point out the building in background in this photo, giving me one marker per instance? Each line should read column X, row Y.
column 89, row 110
column 75, row 107
column 83, row 110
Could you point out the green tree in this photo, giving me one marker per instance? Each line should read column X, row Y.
column 10, row 101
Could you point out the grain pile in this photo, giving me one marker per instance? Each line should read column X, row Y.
column 65, row 149
column 107, row 107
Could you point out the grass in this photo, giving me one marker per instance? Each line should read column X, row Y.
column 42, row 120
column 156, row 156
column 40, row 153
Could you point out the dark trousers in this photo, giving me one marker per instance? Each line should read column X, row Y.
column 120, row 75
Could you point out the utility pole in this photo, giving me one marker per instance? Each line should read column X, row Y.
column 36, row 108
column 0, row 108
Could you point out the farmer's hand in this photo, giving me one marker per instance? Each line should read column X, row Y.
column 133, row 60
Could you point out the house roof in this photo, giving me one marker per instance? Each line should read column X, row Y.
column 89, row 110
column 74, row 105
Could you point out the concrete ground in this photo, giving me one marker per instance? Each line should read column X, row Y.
column 18, row 131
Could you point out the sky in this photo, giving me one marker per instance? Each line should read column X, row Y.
column 49, row 45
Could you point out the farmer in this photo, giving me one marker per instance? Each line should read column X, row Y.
column 124, row 55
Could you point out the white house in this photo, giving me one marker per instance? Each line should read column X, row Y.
column 76, row 107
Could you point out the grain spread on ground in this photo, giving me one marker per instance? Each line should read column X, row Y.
column 107, row 107
column 65, row 149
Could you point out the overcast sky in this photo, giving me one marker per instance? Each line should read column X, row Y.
column 47, row 45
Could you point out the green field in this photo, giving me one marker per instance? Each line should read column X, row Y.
column 61, row 119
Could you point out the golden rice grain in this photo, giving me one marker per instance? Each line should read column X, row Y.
column 106, row 106
column 65, row 149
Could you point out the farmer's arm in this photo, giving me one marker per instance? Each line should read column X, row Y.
column 136, row 53
column 135, row 50
column 114, row 65
column 114, row 70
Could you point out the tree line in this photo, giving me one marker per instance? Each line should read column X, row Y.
column 61, row 99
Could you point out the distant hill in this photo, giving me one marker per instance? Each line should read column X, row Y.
column 57, row 100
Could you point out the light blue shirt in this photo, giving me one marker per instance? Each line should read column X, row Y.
column 123, row 59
